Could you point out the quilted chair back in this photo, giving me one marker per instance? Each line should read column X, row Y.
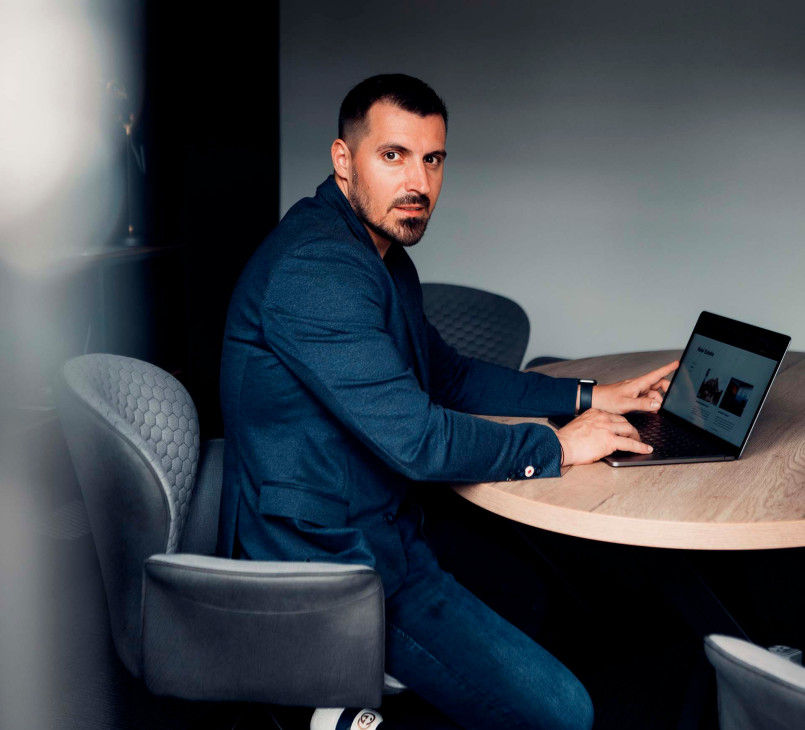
column 478, row 323
column 133, row 435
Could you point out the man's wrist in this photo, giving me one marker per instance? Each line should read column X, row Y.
column 585, row 395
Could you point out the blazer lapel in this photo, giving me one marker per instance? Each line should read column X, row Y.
column 406, row 281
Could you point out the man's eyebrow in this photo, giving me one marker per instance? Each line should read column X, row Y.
column 400, row 148
column 392, row 146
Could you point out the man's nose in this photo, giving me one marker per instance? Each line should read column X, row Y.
column 417, row 179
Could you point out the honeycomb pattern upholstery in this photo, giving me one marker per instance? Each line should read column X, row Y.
column 155, row 412
column 190, row 624
column 478, row 323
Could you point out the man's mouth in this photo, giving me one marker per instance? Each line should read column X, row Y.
column 412, row 206
column 411, row 210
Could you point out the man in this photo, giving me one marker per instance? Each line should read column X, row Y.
column 338, row 395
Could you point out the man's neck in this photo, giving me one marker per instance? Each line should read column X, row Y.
column 381, row 244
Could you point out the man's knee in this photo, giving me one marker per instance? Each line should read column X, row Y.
column 576, row 711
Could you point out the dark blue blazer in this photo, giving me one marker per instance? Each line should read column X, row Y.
column 337, row 393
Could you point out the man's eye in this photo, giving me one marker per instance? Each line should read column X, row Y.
column 432, row 160
column 391, row 156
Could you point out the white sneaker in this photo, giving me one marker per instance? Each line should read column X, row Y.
column 350, row 718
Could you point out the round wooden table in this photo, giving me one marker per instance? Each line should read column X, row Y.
column 756, row 502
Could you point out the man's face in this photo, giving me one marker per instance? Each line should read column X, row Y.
column 397, row 170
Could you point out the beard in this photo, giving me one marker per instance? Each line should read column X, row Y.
column 406, row 231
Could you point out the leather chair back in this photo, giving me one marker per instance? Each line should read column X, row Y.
column 133, row 434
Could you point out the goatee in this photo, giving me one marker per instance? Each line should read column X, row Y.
column 406, row 231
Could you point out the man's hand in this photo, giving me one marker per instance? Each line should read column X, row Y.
column 636, row 394
column 595, row 434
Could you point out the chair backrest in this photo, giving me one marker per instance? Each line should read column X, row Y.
column 133, row 435
column 478, row 323
column 757, row 690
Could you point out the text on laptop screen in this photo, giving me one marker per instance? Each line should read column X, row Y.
column 719, row 387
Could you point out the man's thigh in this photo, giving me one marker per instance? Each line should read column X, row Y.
column 479, row 670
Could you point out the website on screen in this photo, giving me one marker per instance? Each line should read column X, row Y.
column 720, row 387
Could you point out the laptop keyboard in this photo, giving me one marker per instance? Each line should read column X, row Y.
column 667, row 438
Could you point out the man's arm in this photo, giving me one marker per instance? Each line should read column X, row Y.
column 473, row 386
column 324, row 316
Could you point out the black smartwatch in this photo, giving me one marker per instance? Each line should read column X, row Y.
column 586, row 394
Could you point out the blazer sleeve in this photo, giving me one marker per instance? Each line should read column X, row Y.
column 324, row 316
column 474, row 386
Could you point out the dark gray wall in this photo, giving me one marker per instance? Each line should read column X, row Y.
column 616, row 167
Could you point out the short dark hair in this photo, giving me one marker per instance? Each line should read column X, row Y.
column 406, row 92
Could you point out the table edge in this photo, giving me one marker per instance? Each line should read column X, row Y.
column 635, row 531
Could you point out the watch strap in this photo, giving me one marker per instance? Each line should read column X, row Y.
column 586, row 394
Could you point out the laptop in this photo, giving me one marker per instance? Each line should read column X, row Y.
column 715, row 396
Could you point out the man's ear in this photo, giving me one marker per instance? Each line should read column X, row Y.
column 342, row 160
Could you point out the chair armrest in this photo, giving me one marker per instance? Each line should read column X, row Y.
column 306, row 634
column 756, row 689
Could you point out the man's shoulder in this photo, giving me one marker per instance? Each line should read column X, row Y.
column 315, row 241
column 312, row 219
column 323, row 221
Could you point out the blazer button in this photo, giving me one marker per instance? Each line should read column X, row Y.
column 389, row 518
column 529, row 471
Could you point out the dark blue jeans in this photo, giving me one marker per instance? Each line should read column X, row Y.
column 459, row 655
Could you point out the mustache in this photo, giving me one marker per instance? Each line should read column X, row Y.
column 412, row 199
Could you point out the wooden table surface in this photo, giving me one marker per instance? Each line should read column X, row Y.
column 756, row 502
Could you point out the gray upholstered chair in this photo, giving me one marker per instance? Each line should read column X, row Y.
column 478, row 323
column 192, row 625
column 757, row 690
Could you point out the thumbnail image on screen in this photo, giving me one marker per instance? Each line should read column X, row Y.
column 709, row 390
column 736, row 397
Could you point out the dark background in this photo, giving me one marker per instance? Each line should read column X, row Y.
column 211, row 120
column 204, row 85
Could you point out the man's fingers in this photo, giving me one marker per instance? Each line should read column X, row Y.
column 625, row 429
column 649, row 380
column 595, row 434
column 651, row 402
column 638, row 447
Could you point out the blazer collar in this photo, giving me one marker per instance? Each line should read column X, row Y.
column 332, row 195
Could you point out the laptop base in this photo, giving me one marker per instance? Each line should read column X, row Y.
column 625, row 458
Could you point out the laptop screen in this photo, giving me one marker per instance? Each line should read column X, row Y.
column 724, row 375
